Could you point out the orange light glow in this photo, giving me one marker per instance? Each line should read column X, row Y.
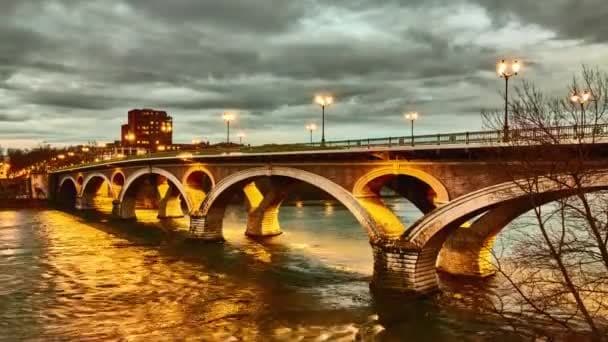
column 228, row 116
column 324, row 100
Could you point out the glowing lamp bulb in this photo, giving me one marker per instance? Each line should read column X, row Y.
column 574, row 98
column 501, row 68
column 586, row 96
column 515, row 67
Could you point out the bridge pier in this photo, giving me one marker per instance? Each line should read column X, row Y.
column 467, row 254
column 170, row 206
column 263, row 223
column 124, row 210
column 82, row 203
column 263, row 208
column 467, row 251
column 201, row 229
column 400, row 267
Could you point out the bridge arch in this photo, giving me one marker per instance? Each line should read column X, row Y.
column 195, row 169
column 197, row 181
column 91, row 177
column 67, row 192
column 127, row 204
column 498, row 205
column 421, row 189
column 117, row 179
column 212, row 209
column 96, row 192
column 440, row 192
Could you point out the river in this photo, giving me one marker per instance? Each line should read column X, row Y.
column 74, row 276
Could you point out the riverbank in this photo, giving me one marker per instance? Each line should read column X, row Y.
column 21, row 203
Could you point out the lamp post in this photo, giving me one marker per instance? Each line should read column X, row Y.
column 196, row 143
column 411, row 116
column 228, row 116
column 241, row 135
column 311, row 127
column 506, row 71
column 581, row 99
column 85, row 151
column 130, row 138
column 323, row 101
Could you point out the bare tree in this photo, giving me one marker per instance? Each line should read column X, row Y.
column 553, row 262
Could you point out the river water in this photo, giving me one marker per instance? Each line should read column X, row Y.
column 74, row 276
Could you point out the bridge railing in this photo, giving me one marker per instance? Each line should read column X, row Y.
column 559, row 133
column 565, row 134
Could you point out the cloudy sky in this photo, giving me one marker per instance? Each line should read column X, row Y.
column 70, row 70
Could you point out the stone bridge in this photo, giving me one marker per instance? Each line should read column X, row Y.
column 465, row 197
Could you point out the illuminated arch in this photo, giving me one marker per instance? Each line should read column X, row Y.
column 198, row 168
column 470, row 205
column 89, row 177
column 441, row 193
column 70, row 178
column 67, row 195
column 116, row 173
column 335, row 190
column 155, row 170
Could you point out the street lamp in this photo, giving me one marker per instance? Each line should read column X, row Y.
column 411, row 116
column 130, row 138
column 228, row 116
column 323, row 101
column 241, row 135
column 506, row 71
column 581, row 98
column 311, row 127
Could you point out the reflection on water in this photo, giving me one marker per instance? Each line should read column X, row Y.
column 85, row 276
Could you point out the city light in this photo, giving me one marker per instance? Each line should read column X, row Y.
column 507, row 70
column 311, row 127
column 85, row 149
column 323, row 100
column 581, row 98
column 411, row 116
column 71, row 154
column 228, row 117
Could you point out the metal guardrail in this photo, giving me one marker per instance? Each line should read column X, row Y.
column 555, row 134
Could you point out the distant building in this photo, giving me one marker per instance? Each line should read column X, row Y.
column 4, row 167
column 147, row 128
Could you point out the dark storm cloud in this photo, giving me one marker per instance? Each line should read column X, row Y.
column 12, row 118
column 230, row 15
column 66, row 64
column 571, row 19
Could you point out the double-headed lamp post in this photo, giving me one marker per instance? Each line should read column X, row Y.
column 581, row 98
column 311, row 127
column 507, row 70
column 228, row 116
column 411, row 116
column 323, row 101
